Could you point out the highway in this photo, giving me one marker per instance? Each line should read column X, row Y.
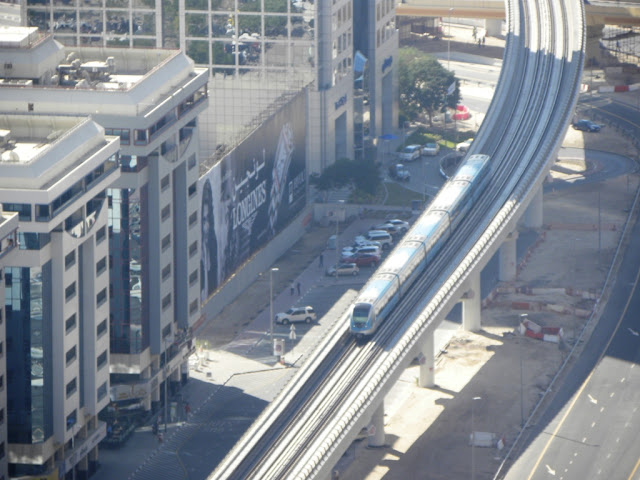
column 590, row 429
column 335, row 394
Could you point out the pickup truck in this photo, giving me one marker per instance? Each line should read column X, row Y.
column 399, row 172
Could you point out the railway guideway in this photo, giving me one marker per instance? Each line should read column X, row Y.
column 363, row 407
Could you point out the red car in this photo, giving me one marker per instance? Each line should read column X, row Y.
column 363, row 259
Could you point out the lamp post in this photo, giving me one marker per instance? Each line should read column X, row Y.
column 341, row 202
column 523, row 317
column 449, row 42
column 473, row 451
column 166, row 382
column 271, row 272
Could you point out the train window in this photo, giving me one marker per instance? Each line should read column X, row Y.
column 361, row 314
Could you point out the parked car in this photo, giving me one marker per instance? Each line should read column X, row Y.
column 381, row 236
column 586, row 126
column 399, row 172
column 349, row 251
column 410, row 153
column 296, row 314
column 361, row 241
column 464, row 146
column 364, row 259
column 400, row 225
column 430, row 149
column 343, row 269
column 386, row 226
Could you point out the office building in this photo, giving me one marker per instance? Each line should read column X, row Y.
column 260, row 54
column 54, row 172
column 8, row 248
column 150, row 99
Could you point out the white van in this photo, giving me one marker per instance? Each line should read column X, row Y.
column 381, row 236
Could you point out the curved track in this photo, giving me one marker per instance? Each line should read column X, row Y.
column 332, row 396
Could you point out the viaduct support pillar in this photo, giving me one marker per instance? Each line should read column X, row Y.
column 507, row 258
column 493, row 27
column 376, row 428
column 427, row 374
column 533, row 215
column 472, row 304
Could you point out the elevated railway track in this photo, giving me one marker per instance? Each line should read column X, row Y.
column 337, row 392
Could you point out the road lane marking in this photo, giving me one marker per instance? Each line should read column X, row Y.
column 591, row 399
column 633, row 472
column 586, row 382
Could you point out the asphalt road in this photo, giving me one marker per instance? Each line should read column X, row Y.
column 590, row 429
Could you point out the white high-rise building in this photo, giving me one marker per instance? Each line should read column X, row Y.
column 150, row 99
column 54, row 172
column 8, row 248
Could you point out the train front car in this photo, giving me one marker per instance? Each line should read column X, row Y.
column 474, row 170
column 373, row 304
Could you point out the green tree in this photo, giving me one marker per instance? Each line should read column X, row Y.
column 423, row 84
column 364, row 175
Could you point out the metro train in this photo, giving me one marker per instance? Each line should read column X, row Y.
column 418, row 247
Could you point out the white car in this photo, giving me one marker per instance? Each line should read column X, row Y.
column 430, row 149
column 296, row 314
column 410, row 153
column 401, row 225
column 464, row 146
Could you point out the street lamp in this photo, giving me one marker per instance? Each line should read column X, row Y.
column 337, row 246
column 274, row 269
column 449, row 42
column 166, row 382
column 523, row 318
column 473, row 441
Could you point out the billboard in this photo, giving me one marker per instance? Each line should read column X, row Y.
column 251, row 194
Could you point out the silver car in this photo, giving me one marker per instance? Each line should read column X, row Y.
column 343, row 269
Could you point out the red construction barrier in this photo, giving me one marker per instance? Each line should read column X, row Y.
column 621, row 88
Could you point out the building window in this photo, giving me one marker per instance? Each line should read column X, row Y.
column 166, row 242
column 193, row 307
column 23, row 209
column 101, row 234
column 166, row 272
column 101, row 297
column 43, row 213
column 101, row 329
column 71, row 387
column 102, row 360
column 193, row 219
column 166, row 211
column 192, row 190
column 2, row 444
column 70, row 292
column 101, row 266
column 166, row 302
column 70, row 356
column 140, row 137
column 1, row 416
column 193, row 278
column 72, row 419
column 193, row 249
column 70, row 260
column 192, row 162
column 70, row 323
column 102, row 391
column 166, row 331
column 165, row 183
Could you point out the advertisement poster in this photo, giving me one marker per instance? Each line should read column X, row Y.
column 251, row 194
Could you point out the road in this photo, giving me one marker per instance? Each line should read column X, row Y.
column 590, row 429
